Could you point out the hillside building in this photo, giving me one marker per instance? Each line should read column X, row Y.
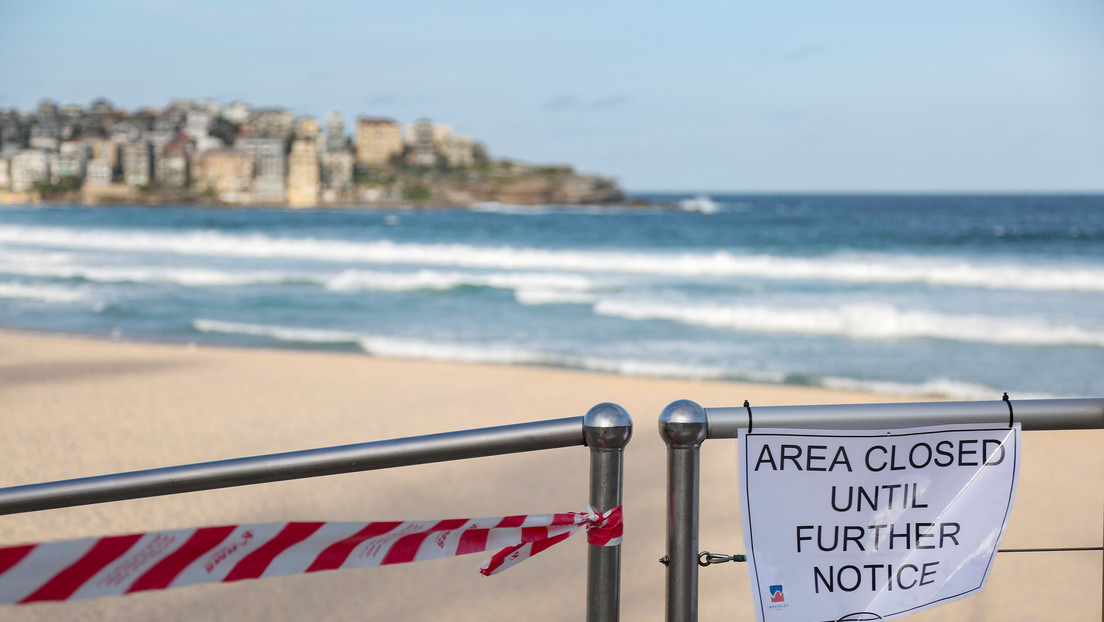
column 28, row 168
column 303, row 181
column 335, row 131
column 137, row 163
column 269, row 165
column 377, row 141
column 228, row 173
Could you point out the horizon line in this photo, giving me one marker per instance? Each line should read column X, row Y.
column 940, row 193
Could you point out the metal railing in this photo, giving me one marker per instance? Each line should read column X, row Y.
column 684, row 426
column 606, row 429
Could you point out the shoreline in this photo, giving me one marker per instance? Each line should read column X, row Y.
column 61, row 338
column 81, row 407
column 358, row 351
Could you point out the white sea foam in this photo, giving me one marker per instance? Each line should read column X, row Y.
column 431, row 279
column 853, row 268
column 509, row 354
column 701, row 204
column 42, row 293
column 190, row 277
column 493, row 353
column 32, row 256
column 533, row 296
column 282, row 333
column 347, row 280
column 494, row 207
column 938, row 387
column 504, row 354
column 857, row 322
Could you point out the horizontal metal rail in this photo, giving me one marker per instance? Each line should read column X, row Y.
column 684, row 426
column 507, row 439
column 1065, row 414
column 605, row 430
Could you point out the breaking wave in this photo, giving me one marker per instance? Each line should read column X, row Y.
column 938, row 387
column 842, row 267
column 344, row 281
column 351, row 280
column 858, row 322
column 42, row 293
column 507, row 354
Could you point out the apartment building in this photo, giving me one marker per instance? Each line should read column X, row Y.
column 228, row 173
column 337, row 175
column 304, row 174
column 377, row 141
column 171, row 165
column 137, row 163
column 70, row 161
column 307, row 127
column 270, row 166
column 335, row 131
column 28, row 168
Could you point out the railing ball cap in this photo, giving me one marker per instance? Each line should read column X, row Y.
column 607, row 426
column 683, row 423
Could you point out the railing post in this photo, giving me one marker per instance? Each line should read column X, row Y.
column 683, row 426
column 607, row 428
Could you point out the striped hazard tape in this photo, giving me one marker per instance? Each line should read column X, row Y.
column 115, row 565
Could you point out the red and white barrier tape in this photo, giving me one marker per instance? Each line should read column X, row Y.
column 94, row 567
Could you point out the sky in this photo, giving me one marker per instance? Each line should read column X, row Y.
column 698, row 95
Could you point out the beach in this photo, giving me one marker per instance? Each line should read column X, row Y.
column 76, row 407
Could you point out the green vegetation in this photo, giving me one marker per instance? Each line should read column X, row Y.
column 64, row 185
column 552, row 171
column 363, row 175
column 225, row 130
column 415, row 193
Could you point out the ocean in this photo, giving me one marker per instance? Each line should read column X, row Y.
column 950, row 296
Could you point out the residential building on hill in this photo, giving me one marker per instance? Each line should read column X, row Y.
column 70, row 161
column 237, row 113
column 303, row 183
column 377, row 141
column 307, row 127
column 171, row 165
column 28, row 168
column 459, row 151
column 271, row 123
column 99, row 173
column 181, row 152
column 137, row 163
column 335, row 131
column 5, row 174
column 104, row 150
column 226, row 173
column 270, row 167
column 336, row 176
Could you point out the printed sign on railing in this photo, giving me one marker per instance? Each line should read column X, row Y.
column 871, row 525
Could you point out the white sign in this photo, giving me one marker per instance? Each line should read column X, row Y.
column 848, row 525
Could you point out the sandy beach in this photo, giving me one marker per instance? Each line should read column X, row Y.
column 73, row 408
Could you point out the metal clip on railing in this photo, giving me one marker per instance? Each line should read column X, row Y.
column 705, row 558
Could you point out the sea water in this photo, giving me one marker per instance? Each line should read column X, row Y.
column 961, row 297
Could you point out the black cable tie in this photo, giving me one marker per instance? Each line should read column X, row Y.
column 1009, row 402
column 748, row 407
column 705, row 558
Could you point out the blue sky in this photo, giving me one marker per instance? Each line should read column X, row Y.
column 737, row 95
